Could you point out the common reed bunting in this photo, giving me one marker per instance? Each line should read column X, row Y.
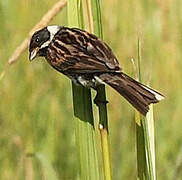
column 89, row 62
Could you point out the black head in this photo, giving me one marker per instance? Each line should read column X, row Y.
column 41, row 40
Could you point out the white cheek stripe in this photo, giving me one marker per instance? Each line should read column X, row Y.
column 53, row 30
column 45, row 44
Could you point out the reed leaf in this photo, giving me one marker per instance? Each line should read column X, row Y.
column 144, row 137
column 84, row 121
column 103, row 118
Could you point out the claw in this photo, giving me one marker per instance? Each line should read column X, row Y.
column 98, row 100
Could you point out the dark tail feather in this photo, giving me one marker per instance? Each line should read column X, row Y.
column 139, row 95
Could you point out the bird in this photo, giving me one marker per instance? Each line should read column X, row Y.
column 88, row 61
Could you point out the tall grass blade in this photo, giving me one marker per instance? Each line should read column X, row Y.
column 84, row 121
column 145, row 138
column 47, row 167
column 103, row 118
column 150, row 141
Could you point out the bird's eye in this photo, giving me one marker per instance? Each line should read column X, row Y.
column 37, row 40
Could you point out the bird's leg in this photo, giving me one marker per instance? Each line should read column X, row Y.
column 99, row 98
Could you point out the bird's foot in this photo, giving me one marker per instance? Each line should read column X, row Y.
column 98, row 100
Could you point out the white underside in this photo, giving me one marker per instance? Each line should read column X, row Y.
column 90, row 83
column 100, row 81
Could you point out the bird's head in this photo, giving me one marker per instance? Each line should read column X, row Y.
column 41, row 40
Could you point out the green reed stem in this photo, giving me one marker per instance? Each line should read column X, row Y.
column 144, row 138
column 84, row 121
column 103, row 118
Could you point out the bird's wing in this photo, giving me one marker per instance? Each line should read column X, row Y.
column 76, row 50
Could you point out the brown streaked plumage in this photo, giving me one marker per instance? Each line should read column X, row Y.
column 88, row 61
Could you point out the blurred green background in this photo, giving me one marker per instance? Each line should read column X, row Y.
column 36, row 114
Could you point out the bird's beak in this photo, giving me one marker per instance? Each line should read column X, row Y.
column 33, row 54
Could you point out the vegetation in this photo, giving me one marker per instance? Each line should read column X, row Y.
column 36, row 112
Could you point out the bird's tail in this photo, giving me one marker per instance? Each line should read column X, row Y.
column 139, row 95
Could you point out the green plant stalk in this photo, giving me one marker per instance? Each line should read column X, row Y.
column 140, row 141
column 148, row 125
column 140, row 147
column 139, row 76
column 145, row 138
column 84, row 121
column 103, row 118
column 47, row 167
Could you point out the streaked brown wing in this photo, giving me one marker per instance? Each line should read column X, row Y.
column 78, row 51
